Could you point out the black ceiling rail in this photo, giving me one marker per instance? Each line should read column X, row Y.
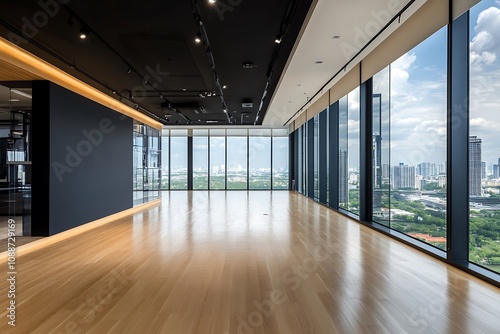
column 396, row 17
column 72, row 65
column 211, row 60
column 290, row 12
column 130, row 68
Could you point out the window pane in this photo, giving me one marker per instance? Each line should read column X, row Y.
column 236, row 162
column 349, row 152
column 353, row 150
column 217, row 163
column 260, row 162
column 484, row 152
column 381, row 142
column 418, row 141
column 343, row 154
column 165, row 159
column 178, row 163
column 280, row 162
column 200, row 162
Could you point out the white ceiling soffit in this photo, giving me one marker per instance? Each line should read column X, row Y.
column 356, row 22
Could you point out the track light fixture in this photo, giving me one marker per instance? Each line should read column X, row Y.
column 278, row 39
column 198, row 38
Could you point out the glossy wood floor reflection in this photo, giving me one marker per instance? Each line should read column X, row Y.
column 243, row 262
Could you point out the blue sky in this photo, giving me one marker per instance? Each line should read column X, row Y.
column 418, row 92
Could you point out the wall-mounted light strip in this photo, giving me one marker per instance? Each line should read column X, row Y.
column 38, row 67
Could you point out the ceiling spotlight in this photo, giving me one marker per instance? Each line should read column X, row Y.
column 278, row 39
column 198, row 38
column 224, row 87
column 84, row 33
column 211, row 1
column 224, row 110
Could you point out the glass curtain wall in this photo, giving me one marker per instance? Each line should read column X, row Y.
column 200, row 159
column 217, row 159
column 237, row 151
column 381, row 146
column 280, row 159
column 260, row 159
column 165, row 159
column 146, row 164
column 418, row 112
column 484, row 122
column 178, row 159
column 349, row 152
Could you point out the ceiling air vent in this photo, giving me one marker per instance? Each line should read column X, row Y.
column 247, row 103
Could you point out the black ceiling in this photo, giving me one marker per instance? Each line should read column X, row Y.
column 170, row 74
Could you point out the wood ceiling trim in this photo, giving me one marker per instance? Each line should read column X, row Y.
column 35, row 68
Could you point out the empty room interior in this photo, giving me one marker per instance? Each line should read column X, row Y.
column 238, row 167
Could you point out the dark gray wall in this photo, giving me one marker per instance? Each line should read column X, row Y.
column 90, row 156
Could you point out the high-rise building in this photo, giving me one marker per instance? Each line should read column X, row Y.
column 475, row 166
column 441, row 169
column 483, row 170
column 343, row 177
column 403, row 177
column 496, row 170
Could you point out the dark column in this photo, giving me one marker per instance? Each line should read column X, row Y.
column 292, row 161
column 310, row 158
column 322, row 155
column 333, row 168
column 458, row 141
column 366, row 152
column 40, row 144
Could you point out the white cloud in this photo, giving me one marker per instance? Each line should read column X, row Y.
column 485, row 46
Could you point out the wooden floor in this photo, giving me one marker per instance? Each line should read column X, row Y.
column 243, row 262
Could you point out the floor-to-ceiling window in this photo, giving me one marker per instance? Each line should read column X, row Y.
column 259, row 159
column 178, row 159
column 418, row 112
column 280, row 159
column 200, row 159
column 237, row 151
column 165, row 159
column 315, row 156
column 484, row 122
column 300, row 158
column 381, row 159
column 217, row 159
column 349, row 152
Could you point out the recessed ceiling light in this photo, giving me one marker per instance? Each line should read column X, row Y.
column 184, row 89
column 211, row 1
column 13, row 100
column 83, row 33
column 224, row 87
